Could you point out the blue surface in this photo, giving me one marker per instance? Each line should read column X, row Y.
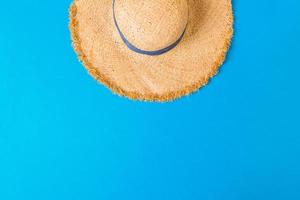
column 64, row 137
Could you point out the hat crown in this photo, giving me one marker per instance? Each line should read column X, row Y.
column 151, row 24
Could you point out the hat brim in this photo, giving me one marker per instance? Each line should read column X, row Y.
column 176, row 73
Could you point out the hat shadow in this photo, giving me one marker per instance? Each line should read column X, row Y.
column 196, row 11
column 196, row 22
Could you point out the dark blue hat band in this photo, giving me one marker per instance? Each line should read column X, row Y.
column 140, row 51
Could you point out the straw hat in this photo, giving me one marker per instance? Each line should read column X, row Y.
column 154, row 50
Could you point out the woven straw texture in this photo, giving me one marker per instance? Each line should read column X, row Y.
column 179, row 72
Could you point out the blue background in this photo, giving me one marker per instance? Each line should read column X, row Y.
column 65, row 137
